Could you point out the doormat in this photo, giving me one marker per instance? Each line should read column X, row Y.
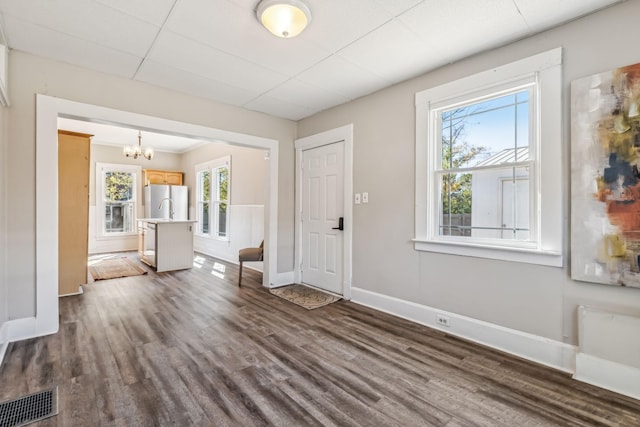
column 114, row 268
column 304, row 296
column 29, row 409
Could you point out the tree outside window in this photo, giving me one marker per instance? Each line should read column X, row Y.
column 116, row 190
column 213, row 198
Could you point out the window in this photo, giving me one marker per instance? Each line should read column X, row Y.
column 213, row 197
column 481, row 145
column 116, row 200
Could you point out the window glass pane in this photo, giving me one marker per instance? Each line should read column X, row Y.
column 486, row 133
column 205, row 185
column 204, row 218
column 222, row 219
column 499, row 210
column 223, row 183
column 118, row 186
column 119, row 198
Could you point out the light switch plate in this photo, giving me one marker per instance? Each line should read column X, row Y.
column 356, row 198
column 365, row 197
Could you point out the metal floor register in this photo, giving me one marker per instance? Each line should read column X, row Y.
column 28, row 409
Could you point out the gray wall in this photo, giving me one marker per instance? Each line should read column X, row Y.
column 538, row 300
column 30, row 75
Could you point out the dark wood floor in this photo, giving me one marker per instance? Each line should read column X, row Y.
column 191, row 348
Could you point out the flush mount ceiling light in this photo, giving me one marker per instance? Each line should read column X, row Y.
column 284, row 18
column 136, row 151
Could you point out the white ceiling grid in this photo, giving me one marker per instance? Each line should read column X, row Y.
column 217, row 49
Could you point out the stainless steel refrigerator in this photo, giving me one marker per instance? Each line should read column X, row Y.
column 159, row 198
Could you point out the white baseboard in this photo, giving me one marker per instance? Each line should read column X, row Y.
column 282, row 279
column 17, row 330
column 606, row 374
column 80, row 292
column 538, row 349
column 4, row 340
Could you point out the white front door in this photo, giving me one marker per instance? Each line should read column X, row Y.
column 322, row 208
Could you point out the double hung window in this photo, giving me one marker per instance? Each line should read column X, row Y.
column 116, row 198
column 213, row 185
column 488, row 168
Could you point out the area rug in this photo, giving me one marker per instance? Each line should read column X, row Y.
column 114, row 268
column 304, row 296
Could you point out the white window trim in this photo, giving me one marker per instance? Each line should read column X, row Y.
column 210, row 166
column 100, row 205
column 546, row 68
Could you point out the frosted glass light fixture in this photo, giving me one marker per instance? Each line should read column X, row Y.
column 136, row 151
column 284, row 18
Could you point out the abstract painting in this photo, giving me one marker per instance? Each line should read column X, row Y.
column 605, row 177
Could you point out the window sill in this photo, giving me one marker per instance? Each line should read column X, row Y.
column 117, row 236
column 217, row 239
column 529, row 256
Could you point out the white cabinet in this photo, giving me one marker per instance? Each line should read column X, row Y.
column 166, row 245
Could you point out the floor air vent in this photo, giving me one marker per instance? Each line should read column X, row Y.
column 28, row 409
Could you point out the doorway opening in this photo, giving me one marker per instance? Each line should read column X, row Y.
column 48, row 110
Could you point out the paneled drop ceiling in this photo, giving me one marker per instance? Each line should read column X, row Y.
column 217, row 49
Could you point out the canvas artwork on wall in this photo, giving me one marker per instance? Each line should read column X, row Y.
column 605, row 177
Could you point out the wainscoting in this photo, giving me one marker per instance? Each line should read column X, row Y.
column 246, row 229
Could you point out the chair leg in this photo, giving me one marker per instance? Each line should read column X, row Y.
column 240, row 275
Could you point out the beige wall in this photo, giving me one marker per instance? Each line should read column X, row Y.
column 4, row 284
column 112, row 154
column 31, row 75
column 248, row 172
column 538, row 300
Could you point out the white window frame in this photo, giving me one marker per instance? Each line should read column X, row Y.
column 211, row 166
column 545, row 71
column 101, row 168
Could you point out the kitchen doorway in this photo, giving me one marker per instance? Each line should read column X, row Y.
column 48, row 109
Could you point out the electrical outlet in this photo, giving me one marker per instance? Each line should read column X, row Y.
column 365, row 197
column 356, row 198
column 443, row 320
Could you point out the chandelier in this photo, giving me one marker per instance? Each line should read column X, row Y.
column 136, row 151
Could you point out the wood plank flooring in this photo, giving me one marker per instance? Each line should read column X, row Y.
column 191, row 348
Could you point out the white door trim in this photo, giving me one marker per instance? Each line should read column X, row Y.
column 343, row 133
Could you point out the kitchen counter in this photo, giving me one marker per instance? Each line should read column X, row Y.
column 164, row 220
column 165, row 244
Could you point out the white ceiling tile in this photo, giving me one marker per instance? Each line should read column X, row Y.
column 152, row 11
column 209, row 22
column 540, row 14
column 300, row 93
column 343, row 77
column 196, row 58
column 397, row 7
column 395, row 53
column 464, row 27
column 44, row 42
column 279, row 108
column 182, row 81
column 338, row 23
column 87, row 20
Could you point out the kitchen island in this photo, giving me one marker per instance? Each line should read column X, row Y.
column 166, row 244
